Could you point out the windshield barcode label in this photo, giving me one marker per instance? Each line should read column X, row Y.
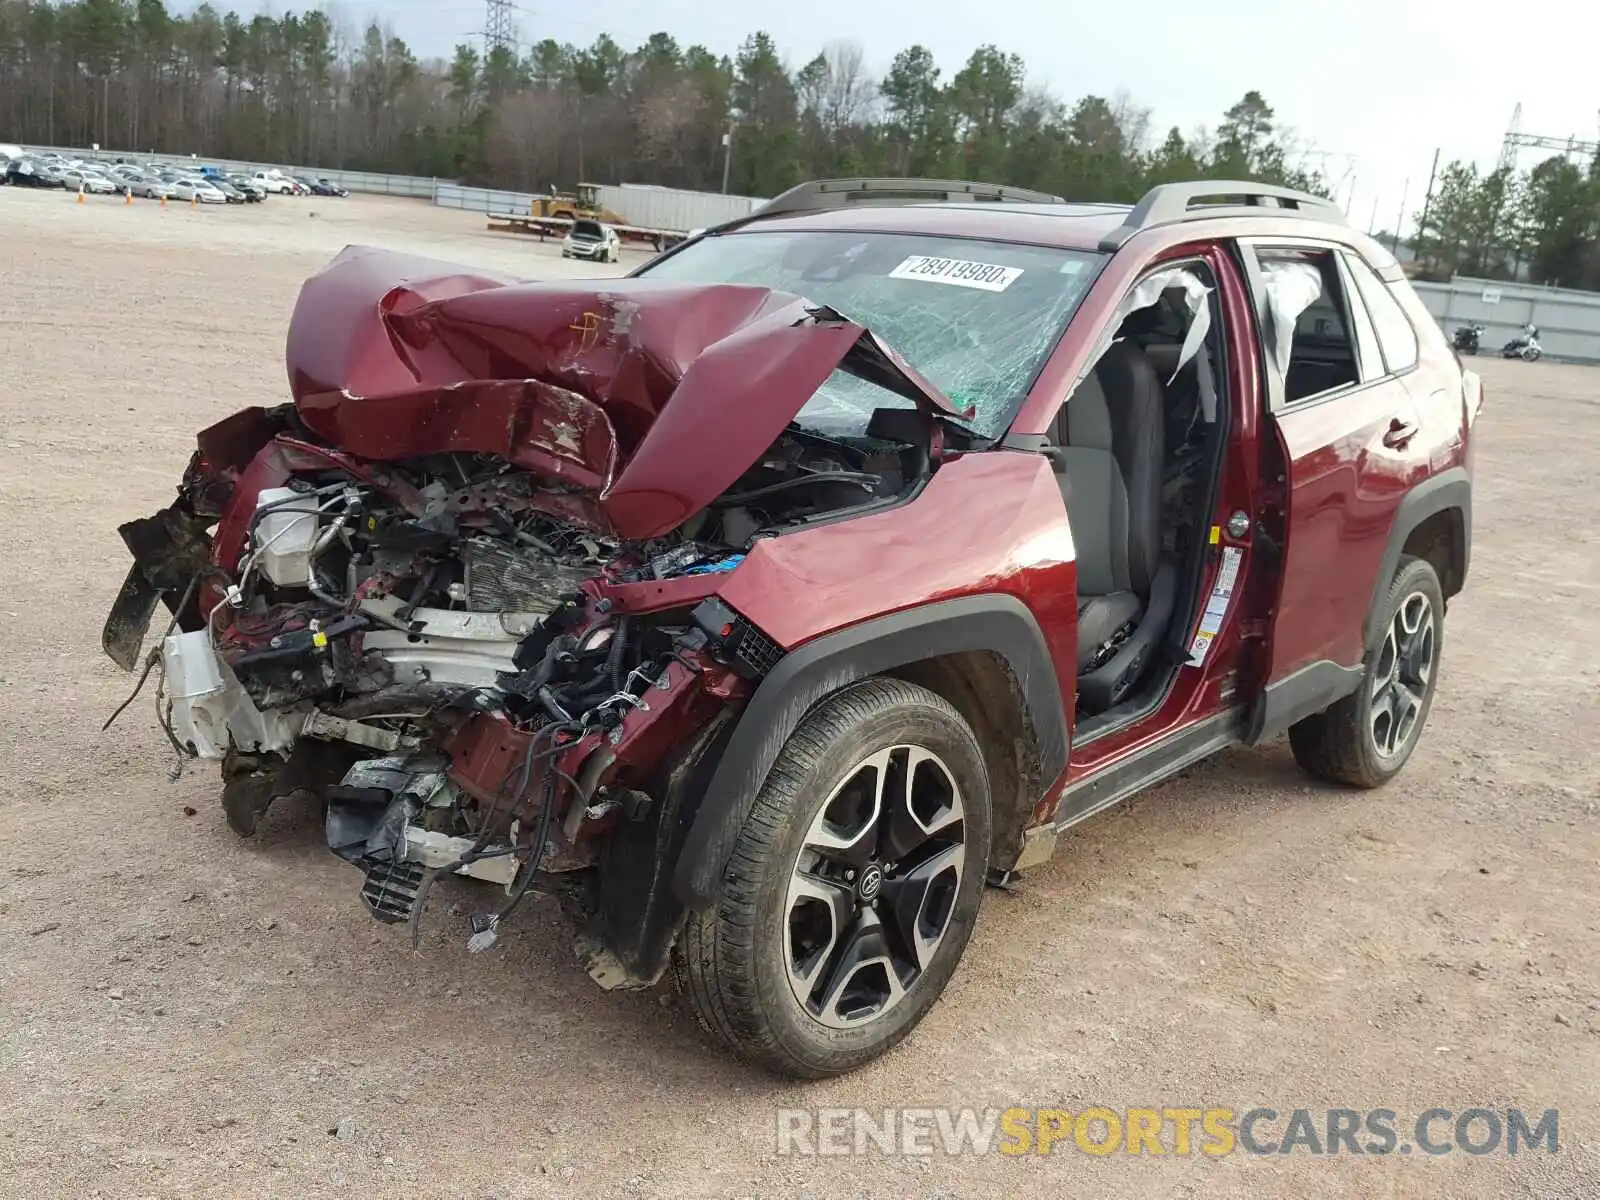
column 986, row 277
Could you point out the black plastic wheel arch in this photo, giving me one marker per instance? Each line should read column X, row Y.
column 994, row 622
column 1449, row 489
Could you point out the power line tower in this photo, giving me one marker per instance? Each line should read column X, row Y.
column 1516, row 140
column 1508, row 148
column 498, row 27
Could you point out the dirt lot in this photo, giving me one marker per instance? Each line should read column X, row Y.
column 186, row 1014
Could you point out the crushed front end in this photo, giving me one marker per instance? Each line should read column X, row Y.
column 464, row 588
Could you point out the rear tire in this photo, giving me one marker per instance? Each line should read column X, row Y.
column 853, row 886
column 1366, row 738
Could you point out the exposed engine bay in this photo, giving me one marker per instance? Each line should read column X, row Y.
column 487, row 677
column 480, row 665
column 345, row 598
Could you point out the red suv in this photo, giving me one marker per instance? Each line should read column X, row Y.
column 765, row 604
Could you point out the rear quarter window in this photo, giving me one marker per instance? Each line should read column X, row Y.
column 1395, row 333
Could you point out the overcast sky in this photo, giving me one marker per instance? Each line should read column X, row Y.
column 1376, row 85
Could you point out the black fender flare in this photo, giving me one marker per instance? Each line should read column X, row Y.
column 1449, row 489
column 998, row 623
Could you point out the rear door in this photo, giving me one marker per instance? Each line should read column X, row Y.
column 1344, row 424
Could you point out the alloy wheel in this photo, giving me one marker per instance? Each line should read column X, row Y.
column 874, row 886
column 1403, row 675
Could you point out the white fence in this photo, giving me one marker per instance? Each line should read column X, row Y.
column 485, row 200
column 1568, row 321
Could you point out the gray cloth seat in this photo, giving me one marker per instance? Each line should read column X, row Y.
column 1111, row 482
column 1099, row 618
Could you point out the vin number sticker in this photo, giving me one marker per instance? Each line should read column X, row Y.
column 958, row 272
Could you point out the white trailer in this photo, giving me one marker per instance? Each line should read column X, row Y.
column 673, row 210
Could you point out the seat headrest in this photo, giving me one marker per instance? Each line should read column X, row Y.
column 1163, row 358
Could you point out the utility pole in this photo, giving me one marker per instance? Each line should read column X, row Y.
column 1427, row 201
column 727, row 156
column 1400, row 217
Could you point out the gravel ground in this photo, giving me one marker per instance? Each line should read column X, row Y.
column 186, row 1014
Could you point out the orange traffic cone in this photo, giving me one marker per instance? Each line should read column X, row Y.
column 194, row 200
column 128, row 192
column 163, row 199
column 80, row 193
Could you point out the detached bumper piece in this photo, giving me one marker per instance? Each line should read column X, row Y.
column 374, row 821
column 391, row 890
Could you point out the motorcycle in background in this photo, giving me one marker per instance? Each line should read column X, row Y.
column 1466, row 339
column 1526, row 347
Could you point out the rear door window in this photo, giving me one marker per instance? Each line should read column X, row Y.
column 1307, row 324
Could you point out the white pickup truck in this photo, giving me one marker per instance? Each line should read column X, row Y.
column 275, row 181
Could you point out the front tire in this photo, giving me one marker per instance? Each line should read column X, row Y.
column 853, row 886
column 1366, row 738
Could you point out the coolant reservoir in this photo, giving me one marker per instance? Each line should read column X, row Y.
column 284, row 535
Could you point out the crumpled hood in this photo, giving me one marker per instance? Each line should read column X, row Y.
column 653, row 397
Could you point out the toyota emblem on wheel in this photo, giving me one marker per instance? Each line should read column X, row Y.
column 870, row 884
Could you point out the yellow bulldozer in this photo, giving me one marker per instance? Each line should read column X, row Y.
column 552, row 216
column 583, row 203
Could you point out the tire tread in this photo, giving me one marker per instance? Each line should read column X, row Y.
column 714, row 961
column 1332, row 744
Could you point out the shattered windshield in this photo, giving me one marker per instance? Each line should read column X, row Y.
column 976, row 318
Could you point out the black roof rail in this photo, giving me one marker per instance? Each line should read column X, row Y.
column 1169, row 203
column 820, row 194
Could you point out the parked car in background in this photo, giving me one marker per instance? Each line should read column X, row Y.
column 129, row 178
column 26, row 173
column 333, row 189
column 274, row 182
column 54, row 170
column 83, row 179
column 593, row 240
column 229, row 193
column 152, row 188
column 253, row 192
column 197, row 190
column 31, row 172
